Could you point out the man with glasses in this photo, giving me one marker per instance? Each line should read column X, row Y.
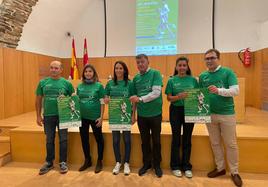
column 223, row 86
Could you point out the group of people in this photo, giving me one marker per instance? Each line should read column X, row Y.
column 145, row 94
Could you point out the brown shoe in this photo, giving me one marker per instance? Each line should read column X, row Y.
column 216, row 173
column 98, row 167
column 237, row 180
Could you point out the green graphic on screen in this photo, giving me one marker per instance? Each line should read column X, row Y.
column 156, row 27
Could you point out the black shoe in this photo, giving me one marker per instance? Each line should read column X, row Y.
column 98, row 167
column 144, row 169
column 158, row 171
column 216, row 173
column 46, row 168
column 86, row 165
column 237, row 180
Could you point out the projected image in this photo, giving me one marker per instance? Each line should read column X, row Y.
column 156, row 27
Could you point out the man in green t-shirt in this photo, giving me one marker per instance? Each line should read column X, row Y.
column 223, row 86
column 148, row 99
column 47, row 92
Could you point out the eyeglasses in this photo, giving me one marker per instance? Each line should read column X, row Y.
column 210, row 58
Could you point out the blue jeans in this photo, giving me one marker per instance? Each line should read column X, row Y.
column 50, row 124
column 116, row 145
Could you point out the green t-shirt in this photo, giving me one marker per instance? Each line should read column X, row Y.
column 90, row 95
column 222, row 78
column 50, row 89
column 120, row 89
column 176, row 85
column 143, row 84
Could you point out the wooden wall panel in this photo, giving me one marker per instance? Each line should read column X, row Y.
column 66, row 67
column 159, row 63
column 30, row 80
column 239, row 102
column 232, row 61
column 103, row 66
column 255, row 80
column 13, row 82
column 171, row 63
column 1, row 84
column 133, row 67
column 166, row 103
column 264, row 80
column 20, row 74
column 265, row 56
column 197, row 64
column 43, row 64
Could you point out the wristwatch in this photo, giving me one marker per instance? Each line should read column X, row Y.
column 140, row 99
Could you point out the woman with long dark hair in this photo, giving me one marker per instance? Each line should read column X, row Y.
column 91, row 94
column 176, row 89
column 120, row 86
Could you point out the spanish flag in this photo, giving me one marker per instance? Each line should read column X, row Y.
column 85, row 58
column 74, row 67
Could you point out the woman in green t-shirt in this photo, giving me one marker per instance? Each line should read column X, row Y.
column 120, row 87
column 175, row 91
column 91, row 94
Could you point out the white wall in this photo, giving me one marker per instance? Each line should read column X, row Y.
column 239, row 24
column 90, row 25
column 194, row 26
column 121, row 23
column 264, row 35
column 45, row 30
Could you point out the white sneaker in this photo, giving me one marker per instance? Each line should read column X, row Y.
column 126, row 168
column 116, row 168
column 188, row 174
column 177, row 173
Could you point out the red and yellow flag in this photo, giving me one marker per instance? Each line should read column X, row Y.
column 85, row 58
column 74, row 68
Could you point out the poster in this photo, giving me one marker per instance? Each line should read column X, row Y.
column 196, row 106
column 120, row 114
column 69, row 112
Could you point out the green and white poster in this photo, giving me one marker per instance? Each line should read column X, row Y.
column 196, row 106
column 120, row 114
column 69, row 112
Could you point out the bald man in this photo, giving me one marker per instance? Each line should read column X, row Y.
column 47, row 92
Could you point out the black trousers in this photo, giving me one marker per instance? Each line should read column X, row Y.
column 150, row 127
column 176, row 116
column 84, row 134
